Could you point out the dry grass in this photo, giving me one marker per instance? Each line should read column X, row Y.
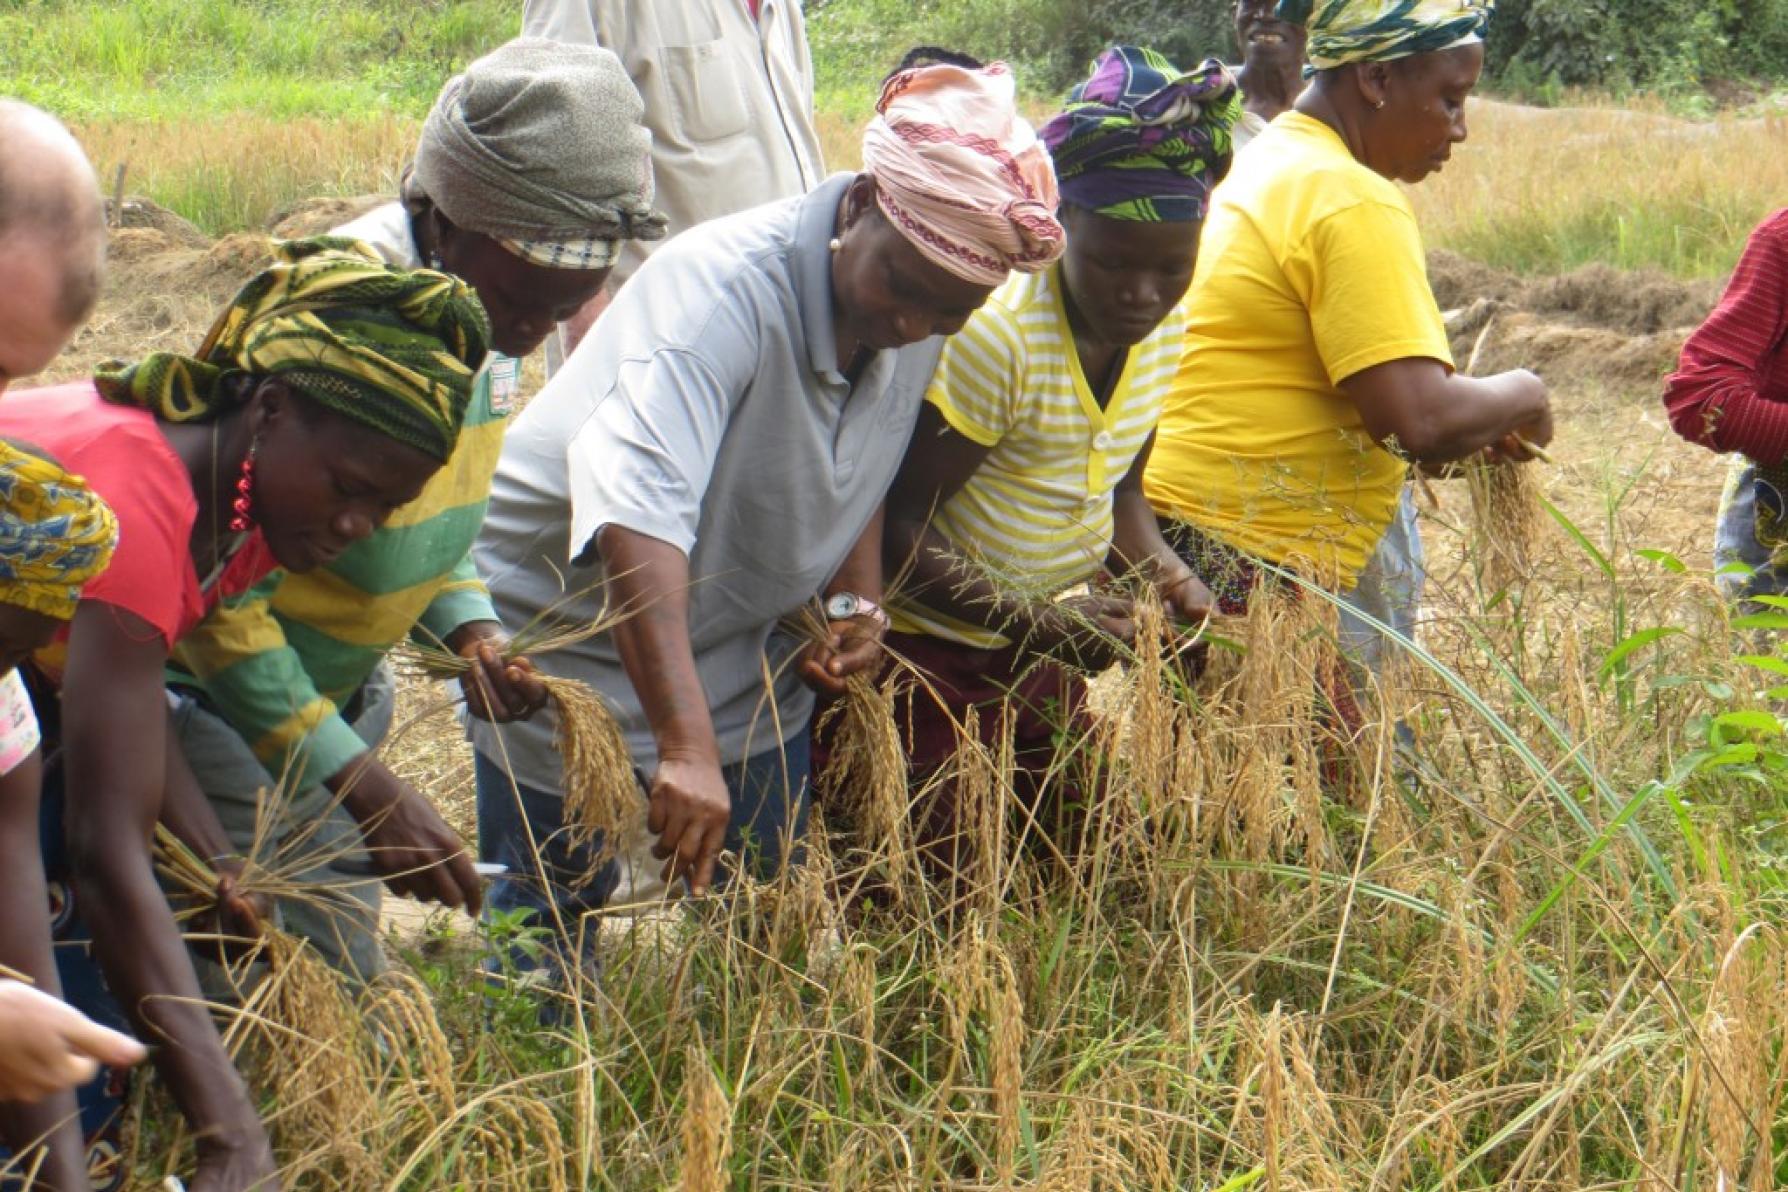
column 1534, row 190
column 1543, row 191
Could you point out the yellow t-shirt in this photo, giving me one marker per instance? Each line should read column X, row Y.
column 1311, row 270
column 1037, row 513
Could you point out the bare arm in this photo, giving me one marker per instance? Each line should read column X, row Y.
column 25, row 949
column 938, row 463
column 115, row 737
column 1437, row 417
column 1138, row 546
column 851, row 645
column 689, row 804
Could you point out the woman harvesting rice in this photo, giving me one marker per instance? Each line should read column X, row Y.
column 1730, row 393
column 1024, row 477
column 324, row 397
column 291, row 684
column 719, row 448
column 1316, row 362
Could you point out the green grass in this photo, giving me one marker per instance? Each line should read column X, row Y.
column 152, row 59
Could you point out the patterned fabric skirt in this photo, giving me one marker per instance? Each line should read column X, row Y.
column 1749, row 537
column 1053, row 778
column 1233, row 578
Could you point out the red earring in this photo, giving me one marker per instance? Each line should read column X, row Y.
column 244, row 519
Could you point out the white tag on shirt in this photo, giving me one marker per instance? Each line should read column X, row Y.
column 19, row 734
column 505, row 382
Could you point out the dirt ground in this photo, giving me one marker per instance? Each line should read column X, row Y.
column 1603, row 340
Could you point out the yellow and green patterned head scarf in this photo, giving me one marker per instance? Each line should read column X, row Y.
column 1346, row 31
column 394, row 349
column 55, row 534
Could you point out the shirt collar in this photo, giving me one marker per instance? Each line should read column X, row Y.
column 814, row 229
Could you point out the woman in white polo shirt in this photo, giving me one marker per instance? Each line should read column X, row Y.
column 714, row 459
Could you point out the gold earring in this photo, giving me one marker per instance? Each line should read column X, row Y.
column 836, row 244
column 1379, row 106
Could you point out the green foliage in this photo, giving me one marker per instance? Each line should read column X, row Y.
column 858, row 41
column 1656, row 44
column 1537, row 46
column 108, row 58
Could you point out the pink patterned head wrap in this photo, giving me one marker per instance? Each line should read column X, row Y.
column 961, row 174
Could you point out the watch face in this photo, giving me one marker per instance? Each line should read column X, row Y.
column 840, row 606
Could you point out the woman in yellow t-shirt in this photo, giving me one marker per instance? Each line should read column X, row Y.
column 1024, row 478
column 1316, row 362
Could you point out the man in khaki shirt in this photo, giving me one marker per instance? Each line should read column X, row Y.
column 728, row 89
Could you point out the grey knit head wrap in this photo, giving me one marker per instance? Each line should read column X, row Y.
column 540, row 142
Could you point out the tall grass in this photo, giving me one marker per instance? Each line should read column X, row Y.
column 1533, row 191
column 228, row 175
column 1543, row 191
column 1449, row 969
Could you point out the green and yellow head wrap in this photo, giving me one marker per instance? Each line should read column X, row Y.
column 1346, row 31
column 55, row 534
column 394, row 349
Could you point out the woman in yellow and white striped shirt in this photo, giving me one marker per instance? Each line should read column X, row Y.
column 1023, row 478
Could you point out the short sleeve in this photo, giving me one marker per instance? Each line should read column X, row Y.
column 644, row 457
column 1364, row 280
column 154, row 506
column 980, row 376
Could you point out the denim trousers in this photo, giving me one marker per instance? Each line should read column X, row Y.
column 1389, row 589
column 1752, row 571
column 522, row 827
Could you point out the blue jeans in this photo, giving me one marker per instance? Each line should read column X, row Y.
column 1735, row 540
column 522, row 827
column 1390, row 589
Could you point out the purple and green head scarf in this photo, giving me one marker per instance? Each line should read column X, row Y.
column 1140, row 140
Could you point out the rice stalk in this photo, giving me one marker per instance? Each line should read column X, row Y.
column 602, row 796
column 707, row 1127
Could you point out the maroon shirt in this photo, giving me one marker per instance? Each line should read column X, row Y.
column 1730, row 390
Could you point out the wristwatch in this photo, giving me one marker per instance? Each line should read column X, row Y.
column 842, row 606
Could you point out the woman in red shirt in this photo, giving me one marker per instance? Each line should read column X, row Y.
column 324, row 397
column 1730, row 393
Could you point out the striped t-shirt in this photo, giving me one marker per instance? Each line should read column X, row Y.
column 1037, row 513
column 282, row 662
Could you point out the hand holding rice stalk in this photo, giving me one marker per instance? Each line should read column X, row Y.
column 1505, row 502
column 602, row 795
column 232, row 902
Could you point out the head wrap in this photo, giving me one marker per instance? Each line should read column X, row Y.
column 539, row 145
column 961, row 173
column 55, row 534
column 1139, row 140
column 394, row 349
column 1344, row 31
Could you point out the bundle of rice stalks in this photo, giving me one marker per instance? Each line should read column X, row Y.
column 866, row 776
column 602, row 795
column 1506, row 522
column 707, row 1127
column 1505, row 507
column 307, row 1035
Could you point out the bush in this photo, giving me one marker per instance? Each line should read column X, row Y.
column 1536, row 46
column 1050, row 43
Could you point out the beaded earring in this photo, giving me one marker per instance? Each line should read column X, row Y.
column 243, row 506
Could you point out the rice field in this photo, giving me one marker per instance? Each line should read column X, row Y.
column 1540, row 948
